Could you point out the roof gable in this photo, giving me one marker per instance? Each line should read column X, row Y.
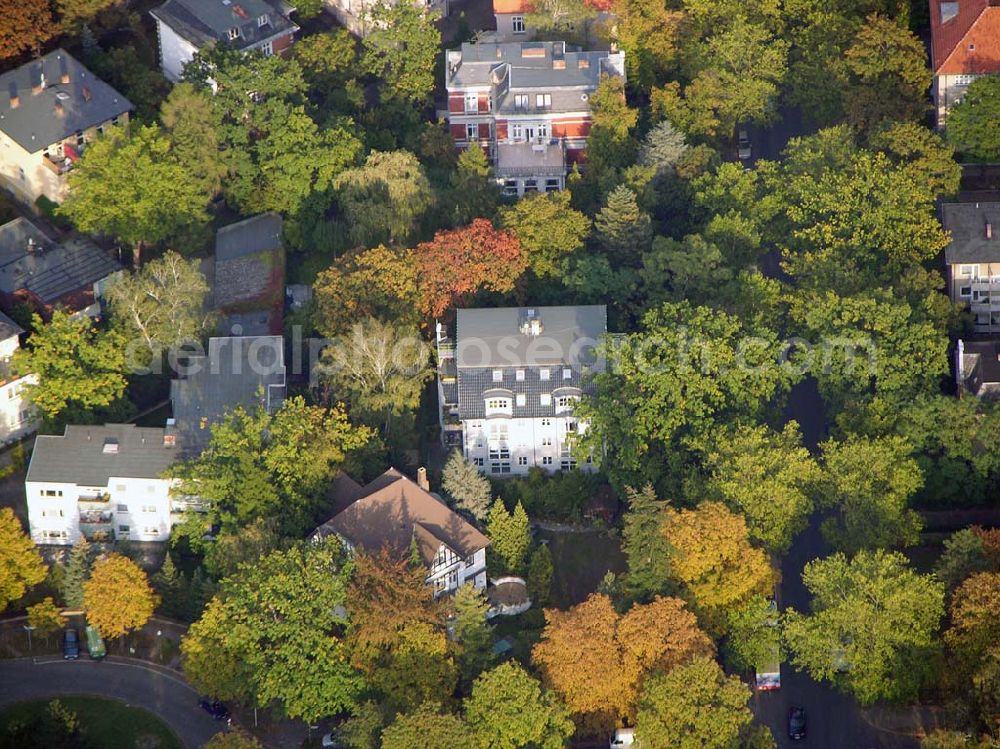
column 46, row 101
column 965, row 37
column 393, row 510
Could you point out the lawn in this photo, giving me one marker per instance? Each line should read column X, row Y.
column 580, row 561
column 108, row 724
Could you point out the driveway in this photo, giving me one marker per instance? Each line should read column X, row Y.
column 136, row 684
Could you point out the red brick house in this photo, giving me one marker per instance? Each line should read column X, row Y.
column 965, row 44
column 527, row 105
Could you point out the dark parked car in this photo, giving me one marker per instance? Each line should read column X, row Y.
column 796, row 723
column 71, row 644
column 216, row 709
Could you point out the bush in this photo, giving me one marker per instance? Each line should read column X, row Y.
column 560, row 497
column 47, row 208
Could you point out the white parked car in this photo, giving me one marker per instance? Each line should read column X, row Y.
column 623, row 737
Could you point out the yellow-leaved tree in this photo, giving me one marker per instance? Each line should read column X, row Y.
column 118, row 597
column 596, row 658
column 21, row 566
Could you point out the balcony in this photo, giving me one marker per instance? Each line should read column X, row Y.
column 190, row 504
column 541, row 157
column 93, row 496
column 96, row 525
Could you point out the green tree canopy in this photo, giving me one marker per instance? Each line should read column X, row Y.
column 673, row 382
column 77, row 365
column 548, row 228
column 401, row 47
column 467, row 488
column 427, row 726
column 872, row 624
column 769, row 477
column 508, row 709
column 869, row 483
column 694, row 706
column 380, row 369
column 274, row 633
column 260, row 465
column 646, row 548
column 473, row 634
column 192, row 125
column 131, row 186
column 510, row 538
column 972, row 122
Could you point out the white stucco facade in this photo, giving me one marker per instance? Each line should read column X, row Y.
column 136, row 509
column 450, row 571
column 501, row 446
column 175, row 51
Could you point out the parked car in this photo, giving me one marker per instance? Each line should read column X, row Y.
column 796, row 723
column 71, row 644
column 95, row 643
column 216, row 709
column 623, row 737
column 330, row 742
column 743, row 149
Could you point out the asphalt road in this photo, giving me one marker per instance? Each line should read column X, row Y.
column 164, row 695
column 835, row 720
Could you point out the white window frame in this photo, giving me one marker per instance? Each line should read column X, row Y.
column 519, row 375
column 471, row 131
column 517, row 25
column 545, row 399
column 543, row 374
column 521, row 399
column 267, row 48
column 520, row 101
column 472, row 102
column 967, row 271
column 262, row 20
column 543, row 101
column 234, row 33
column 516, row 131
column 497, row 375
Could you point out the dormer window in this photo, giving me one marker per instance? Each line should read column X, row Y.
column 497, row 406
column 520, row 101
column 543, row 101
column 263, row 20
column 233, row 33
column 497, row 375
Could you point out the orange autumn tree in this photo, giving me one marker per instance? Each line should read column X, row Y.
column 24, row 25
column 117, row 596
column 596, row 658
column 460, row 262
column 975, row 617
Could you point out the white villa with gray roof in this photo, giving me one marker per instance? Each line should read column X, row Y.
column 509, row 382
column 50, row 109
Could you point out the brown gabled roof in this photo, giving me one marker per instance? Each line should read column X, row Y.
column 391, row 511
column 965, row 37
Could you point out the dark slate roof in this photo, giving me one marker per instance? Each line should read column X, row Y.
column 966, row 222
column 490, row 340
column 31, row 261
column 86, row 101
column 204, row 21
column 8, row 328
column 392, row 510
column 495, row 337
column 248, row 237
column 239, row 371
column 79, row 456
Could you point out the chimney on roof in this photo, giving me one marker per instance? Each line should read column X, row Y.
column 86, row 93
column 63, row 70
column 422, row 481
column 583, row 63
column 59, row 110
column 559, row 64
column 15, row 101
column 989, row 230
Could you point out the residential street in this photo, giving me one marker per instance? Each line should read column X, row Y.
column 835, row 721
column 137, row 684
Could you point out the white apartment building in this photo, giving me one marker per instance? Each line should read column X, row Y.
column 104, row 483
column 510, row 381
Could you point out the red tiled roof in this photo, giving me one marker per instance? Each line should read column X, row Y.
column 511, row 6
column 969, row 41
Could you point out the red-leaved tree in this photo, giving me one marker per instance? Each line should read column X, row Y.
column 462, row 261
